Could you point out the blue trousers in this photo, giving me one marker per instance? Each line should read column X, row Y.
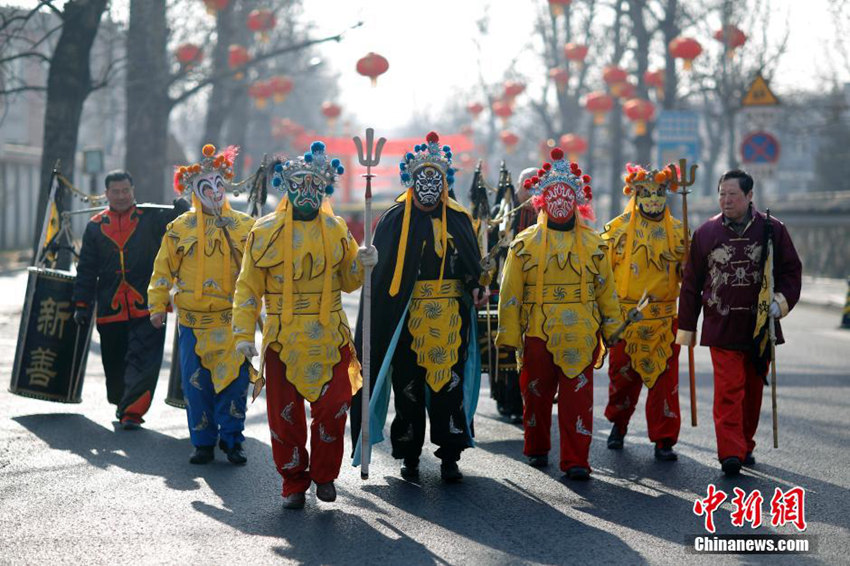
column 212, row 416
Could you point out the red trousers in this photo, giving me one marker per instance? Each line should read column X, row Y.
column 288, row 425
column 662, row 402
column 738, row 387
column 539, row 379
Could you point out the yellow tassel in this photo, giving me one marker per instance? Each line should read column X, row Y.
column 542, row 258
column 578, row 244
column 443, row 232
column 325, row 305
column 287, row 265
column 623, row 287
column 200, row 247
column 402, row 245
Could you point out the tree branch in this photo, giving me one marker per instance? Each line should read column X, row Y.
column 258, row 59
column 26, row 88
column 28, row 54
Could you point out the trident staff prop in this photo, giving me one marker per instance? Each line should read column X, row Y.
column 685, row 180
column 370, row 159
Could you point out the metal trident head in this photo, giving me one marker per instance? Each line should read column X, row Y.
column 367, row 159
column 684, row 178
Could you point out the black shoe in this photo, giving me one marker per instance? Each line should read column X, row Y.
column 294, row 501
column 615, row 439
column 516, row 418
column 202, row 455
column 538, row 461
column 750, row 460
column 449, row 472
column 326, row 491
column 731, row 466
column 578, row 473
column 410, row 469
column 665, row 453
column 235, row 455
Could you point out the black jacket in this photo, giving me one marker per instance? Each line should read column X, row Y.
column 116, row 260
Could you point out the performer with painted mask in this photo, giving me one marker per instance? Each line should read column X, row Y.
column 200, row 256
column 646, row 248
column 557, row 298
column 298, row 259
column 423, row 288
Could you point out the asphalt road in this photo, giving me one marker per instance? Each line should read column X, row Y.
column 74, row 489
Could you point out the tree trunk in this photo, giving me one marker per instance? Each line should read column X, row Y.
column 643, row 143
column 615, row 136
column 68, row 86
column 148, row 105
column 222, row 93
column 671, row 31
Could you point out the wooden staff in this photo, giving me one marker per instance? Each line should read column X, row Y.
column 684, row 180
column 771, row 327
column 368, row 161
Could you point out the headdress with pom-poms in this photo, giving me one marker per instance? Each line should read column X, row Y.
column 637, row 176
column 428, row 153
column 315, row 162
column 222, row 162
column 561, row 171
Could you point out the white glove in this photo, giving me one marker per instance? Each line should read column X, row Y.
column 247, row 349
column 775, row 311
column 368, row 256
column 480, row 299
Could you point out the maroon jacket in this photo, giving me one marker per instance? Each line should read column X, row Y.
column 723, row 276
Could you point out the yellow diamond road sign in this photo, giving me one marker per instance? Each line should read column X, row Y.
column 759, row 94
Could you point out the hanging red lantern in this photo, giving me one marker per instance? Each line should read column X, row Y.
column 623, row 91
column 261, row 22
column 687, row 49
column 474, row 108
column 732, row 37
column 558, row 6
column 560, row 77
column 503, row 110
column 655, row 79
column 261, row 91
column 639, row 111
column 373, row 66
column 214, row 6
column 280, row 86
column 189, row 55
column 467, row 131
column 599, row 103
column 574, row 145
column 331, row 112
column 513, row 89
column 575, row 52
column 614, row 77
column 237, row 56
column 509, row 140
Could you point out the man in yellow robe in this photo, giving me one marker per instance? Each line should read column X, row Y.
column 297, row 260
column 646, row 249
column 200, row 257
column 555, row 303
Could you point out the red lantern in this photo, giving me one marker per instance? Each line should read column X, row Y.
column 467, row 131
column 509, row 140
column 732, row 37
column 655, row 79
column 260, row 91
column 237, row 56
column 560, row 77
column 261, row 21
column 613, row 75
column 214, row 6
column 280, row 87
column 574, row 145
column 623, row 91
column 474, row 108
column 640, row 112
column 575, row 52
column 189, row 54
column 599, row 103
column 372, row 66
column 557, row 6
column 687, row 49
column 513, row 89
column 503, row 110
column 331, row 111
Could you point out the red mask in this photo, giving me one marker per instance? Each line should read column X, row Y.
column 560, row 202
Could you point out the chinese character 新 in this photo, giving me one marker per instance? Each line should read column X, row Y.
column 747, row 509
column 52, row 317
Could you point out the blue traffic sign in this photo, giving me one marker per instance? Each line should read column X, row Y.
column 760, row 147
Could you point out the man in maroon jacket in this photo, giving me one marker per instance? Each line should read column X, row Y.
column 723, row 278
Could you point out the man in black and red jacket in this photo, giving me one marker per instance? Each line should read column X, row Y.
column 116, row 261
